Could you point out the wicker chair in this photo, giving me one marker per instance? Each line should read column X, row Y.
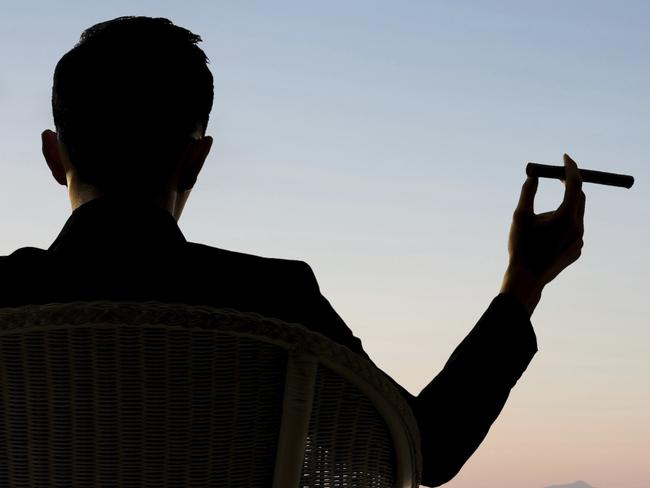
column 171, row 395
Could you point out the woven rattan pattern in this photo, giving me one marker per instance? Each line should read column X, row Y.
column 175, row 418
column 240, row 324
column 346, row 445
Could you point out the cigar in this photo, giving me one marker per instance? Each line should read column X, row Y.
column 588, row 175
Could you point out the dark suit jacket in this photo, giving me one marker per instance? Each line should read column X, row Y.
column 109, row 249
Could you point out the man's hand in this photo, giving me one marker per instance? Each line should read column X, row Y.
column 541, row 246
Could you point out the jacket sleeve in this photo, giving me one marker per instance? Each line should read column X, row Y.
column 455, row 410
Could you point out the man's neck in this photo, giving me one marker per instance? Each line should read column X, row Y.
column 84, row 193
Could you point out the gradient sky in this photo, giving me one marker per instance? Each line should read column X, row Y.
column 385, row 143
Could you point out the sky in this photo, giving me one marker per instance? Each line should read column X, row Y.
column 385, row 144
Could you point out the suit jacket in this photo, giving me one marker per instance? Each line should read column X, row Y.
column 116, row 250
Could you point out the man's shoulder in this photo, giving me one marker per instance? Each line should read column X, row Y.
column 21, row 275
column 272, row 277
column 203, row 253
column 211, row 255
column 22, row 256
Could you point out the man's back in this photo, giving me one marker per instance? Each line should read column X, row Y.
column 120, row 251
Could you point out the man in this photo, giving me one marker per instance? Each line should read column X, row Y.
column 131, row 104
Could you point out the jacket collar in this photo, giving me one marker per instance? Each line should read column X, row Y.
column 118, row 224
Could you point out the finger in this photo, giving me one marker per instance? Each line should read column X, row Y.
column 526, row 204
column 572, row 252
column 581, row 207
column 572, row 186
column 569, row 255
column 571, row 238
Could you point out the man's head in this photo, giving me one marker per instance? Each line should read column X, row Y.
column 131, row 103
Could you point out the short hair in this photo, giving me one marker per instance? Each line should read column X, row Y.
column 126, row 99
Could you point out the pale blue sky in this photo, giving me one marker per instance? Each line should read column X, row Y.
column 385, row 144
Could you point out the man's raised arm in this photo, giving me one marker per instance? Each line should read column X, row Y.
column 456, row 409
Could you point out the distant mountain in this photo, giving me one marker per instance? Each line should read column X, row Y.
column 577, row 484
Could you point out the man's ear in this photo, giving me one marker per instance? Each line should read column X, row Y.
column 50, row 147
column 193, row 159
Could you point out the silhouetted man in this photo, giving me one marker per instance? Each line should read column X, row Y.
column 131, row 103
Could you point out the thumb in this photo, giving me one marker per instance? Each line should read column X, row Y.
column 525, row 207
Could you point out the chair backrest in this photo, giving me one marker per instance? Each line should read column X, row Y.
column 157, row 394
